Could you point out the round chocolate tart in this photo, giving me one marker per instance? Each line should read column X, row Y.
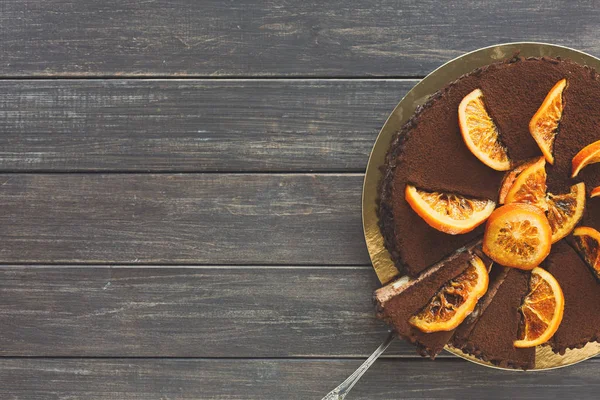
column 421, row 145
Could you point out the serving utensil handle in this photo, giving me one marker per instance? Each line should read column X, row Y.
column 340, row 392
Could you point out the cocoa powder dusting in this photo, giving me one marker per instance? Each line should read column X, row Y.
column 581, row 319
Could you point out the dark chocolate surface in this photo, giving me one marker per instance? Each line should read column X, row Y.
column 581, row 318
column 461, row 334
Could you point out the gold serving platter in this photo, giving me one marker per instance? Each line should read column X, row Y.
column 418, row 95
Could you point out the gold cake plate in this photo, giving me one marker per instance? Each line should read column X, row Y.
column 418, row 95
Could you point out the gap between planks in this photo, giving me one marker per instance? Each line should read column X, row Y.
column 357, row 172
column 175, row 266
column 206, row 77
column 443, row 356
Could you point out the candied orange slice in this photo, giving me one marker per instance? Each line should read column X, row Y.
column 595, row 192
column 587, row 241
column 517, row 235
column 541, row 311
column 480, row 133
column 449, row 213
column 544, row 124
column 454, row 301
column 530, row 186
column 565, row 211
column 509, row 179
column 590, row 154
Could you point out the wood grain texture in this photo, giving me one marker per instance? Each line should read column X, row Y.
column 279, row 219
column 190, row 312
column 275, row 37
column 193, row 125
column 37, row 379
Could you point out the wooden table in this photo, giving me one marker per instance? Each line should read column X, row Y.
column 180, row 194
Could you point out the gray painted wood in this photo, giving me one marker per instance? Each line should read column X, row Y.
column 155, row 379
column 274, row 37
column 193, row 125
column 220, row 126
column 190, row 312
column 182, row 218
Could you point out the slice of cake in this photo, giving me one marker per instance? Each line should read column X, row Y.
column 491, row 338
column 581, row 318
column 399, row 301
column 461, row 334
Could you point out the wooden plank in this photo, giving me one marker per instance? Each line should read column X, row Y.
column 262, row 38
column 157, row 379
column 192, row 125
column 280, row 219
column 190, row 312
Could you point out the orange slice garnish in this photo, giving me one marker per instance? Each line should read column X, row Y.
column 517, row 235
column 480, row 133
column 449, row 213
column 454, row 301
column 530, row 186
column 509, row 179
column 590, row 154
column 565, row 211
column 544, row 124
column 595, row 192
column 587, row 241
column 541, row 311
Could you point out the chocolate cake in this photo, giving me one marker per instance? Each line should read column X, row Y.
column 430, row 154
column 397, row 302
column 581, row 318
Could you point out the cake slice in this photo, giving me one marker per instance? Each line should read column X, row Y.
column 400, row 300
column 461, row 334
column 492, row 336
column 581, row 320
